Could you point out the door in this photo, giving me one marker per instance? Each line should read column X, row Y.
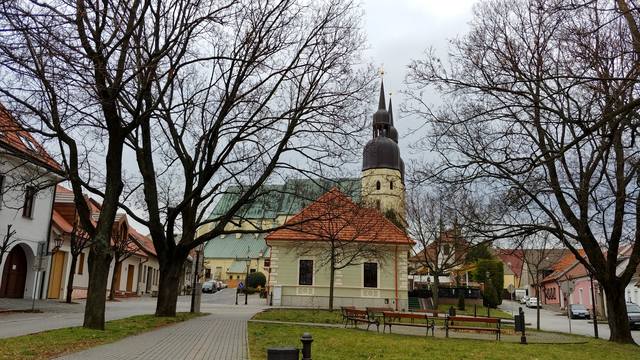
column 149, row 279
column 57, row 270
column 130, row 271
column 14, row 274
column 116, row 280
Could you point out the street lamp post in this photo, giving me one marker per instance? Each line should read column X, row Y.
column 593, row 307
column 195, row 281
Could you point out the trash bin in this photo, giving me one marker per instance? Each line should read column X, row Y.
column 519, row 324
column 283, row 353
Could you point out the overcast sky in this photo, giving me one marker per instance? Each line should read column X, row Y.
column 400, row 30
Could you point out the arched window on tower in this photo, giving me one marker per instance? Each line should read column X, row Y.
column 391, row 185
column 377, row 185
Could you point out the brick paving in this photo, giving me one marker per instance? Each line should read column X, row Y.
column 219, row 336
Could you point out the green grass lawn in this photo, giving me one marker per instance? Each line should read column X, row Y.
column 52, row 343
column 301, row 315
column 338, row 344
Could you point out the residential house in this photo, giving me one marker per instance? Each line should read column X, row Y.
column 300, row 272
column 28, row 175
column 232, row 257
column 136, row 275
column 513, row 261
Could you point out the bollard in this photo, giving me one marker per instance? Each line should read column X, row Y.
column 523, row 337
column 488, row 311
column 306, row 340
column 475, row 310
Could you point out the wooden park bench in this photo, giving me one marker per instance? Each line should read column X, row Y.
column 456, row 323
column 432, row 313
column 396, row 318
column 343, row 310
column 355, row 316
column 376, row 312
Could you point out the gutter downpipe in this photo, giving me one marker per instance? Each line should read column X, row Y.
column 396, row 274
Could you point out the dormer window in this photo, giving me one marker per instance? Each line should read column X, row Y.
column 28, row 143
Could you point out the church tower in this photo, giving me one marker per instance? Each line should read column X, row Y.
column 382, row 166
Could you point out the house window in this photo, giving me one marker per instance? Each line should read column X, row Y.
column 29, row 195
column 371, row 275
column 267, row 263
column 447, row 249
column 230, row 277
column 207, row 273
column 391, row 185
column 305, row 275
column 377, row 185
column 252, row 271
column 81, row 264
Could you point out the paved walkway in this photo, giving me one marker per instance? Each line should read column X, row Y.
column 220, row 336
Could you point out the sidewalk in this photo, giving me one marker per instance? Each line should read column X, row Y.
column 220, row 336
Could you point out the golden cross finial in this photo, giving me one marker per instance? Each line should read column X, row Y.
column 381, row 71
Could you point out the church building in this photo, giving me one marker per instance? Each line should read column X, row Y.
column 339, row 252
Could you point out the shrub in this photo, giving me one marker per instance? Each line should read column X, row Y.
column 256, row 279
column 490, row 296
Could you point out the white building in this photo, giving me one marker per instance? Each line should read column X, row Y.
column 27, row 186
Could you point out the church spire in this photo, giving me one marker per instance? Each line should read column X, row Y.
column 382, row 103
column 390, row 111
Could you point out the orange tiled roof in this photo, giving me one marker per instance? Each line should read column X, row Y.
column 60, row 222
column 564, row 265
column 334, row 211
column 20, row 141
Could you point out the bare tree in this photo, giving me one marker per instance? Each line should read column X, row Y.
column 86, row 74
column 276, row 88
column 7, row 241
column 78, row 242
column 123, row 247
column 539, row 252
column 541, row 105
column 443, row 240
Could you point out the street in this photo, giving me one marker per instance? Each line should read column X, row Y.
column 554, row 321
column 58, row 315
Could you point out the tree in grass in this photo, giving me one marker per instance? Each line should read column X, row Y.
column 86, row 74
column 273, row 89
column 539, row 111
column 123, row 247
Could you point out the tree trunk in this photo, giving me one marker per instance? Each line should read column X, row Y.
column 97, row 291
column 168, row 286
column 114, row 274
column 72, row 274
column 434, row 291
column 538, row 308
column 617, row 313
column 332, row 276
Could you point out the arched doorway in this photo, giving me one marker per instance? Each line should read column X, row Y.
column 14, row 274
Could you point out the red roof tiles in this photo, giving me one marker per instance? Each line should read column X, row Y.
column 20, row 141
column 334, row 215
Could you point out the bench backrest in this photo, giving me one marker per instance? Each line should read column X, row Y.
column 356, row 313
column 433, row 313
column 474, row 319
column 344, row 309
column 402, row 315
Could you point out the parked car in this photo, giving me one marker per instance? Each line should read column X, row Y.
column 209, row 287
column 532, row 302
column 633, row 311
column 579, row 311
column 523, row 300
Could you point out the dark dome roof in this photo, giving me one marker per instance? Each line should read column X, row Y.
column 381, row 152
column 381, row 117
column 393, row 134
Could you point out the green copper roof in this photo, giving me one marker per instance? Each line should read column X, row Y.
column 286, row 199
column 230, row 246
column 237, row 267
